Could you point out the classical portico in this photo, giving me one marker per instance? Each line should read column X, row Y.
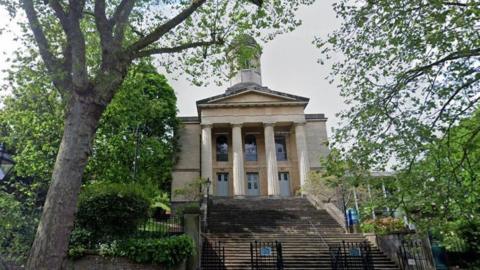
column 251, row 141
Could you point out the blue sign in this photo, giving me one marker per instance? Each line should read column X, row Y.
column 352, row 215
column 266, row 251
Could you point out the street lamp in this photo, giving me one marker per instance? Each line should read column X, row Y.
column 6, row 163
column 208, row 183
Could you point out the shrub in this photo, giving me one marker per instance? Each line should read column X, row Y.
column 17, row 228
column 189, row 208
column 168, row 251
column 111, row 210
column 382, row 225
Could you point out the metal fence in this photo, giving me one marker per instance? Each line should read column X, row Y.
column 266, row 255
column 413, row 255
column 153, row 228
column 409, row 250
column 213, row 255
column 351, row 255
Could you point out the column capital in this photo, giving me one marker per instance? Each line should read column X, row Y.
column 268, row 124
column 299, row 123
column 237, row 125
column 206, row 125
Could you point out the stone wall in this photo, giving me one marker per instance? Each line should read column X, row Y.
column 317, row 142
column 92, row 262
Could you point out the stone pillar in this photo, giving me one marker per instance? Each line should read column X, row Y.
column 207, row 154
column 302, row 152
column 271, row 156
column 238, row 170
column 192, row 228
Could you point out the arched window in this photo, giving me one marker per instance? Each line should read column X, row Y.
column 222, row 148
column 250, row 148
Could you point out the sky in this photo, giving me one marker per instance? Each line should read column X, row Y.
column 289, row 64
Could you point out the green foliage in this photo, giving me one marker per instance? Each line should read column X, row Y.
column 136, row 140
column 409, row 72
column 141, row 122
column 189, row 208
column 168, row 251
column 111, row 209
column 17, row 228
column 192, row 191
column 383, row 226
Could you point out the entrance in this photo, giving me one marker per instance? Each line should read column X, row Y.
column 222, row 184
column 253, row 187
column 284, row 183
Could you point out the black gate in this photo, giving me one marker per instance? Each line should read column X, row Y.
column 351, row 255
column 213, row 255
column 266, row 255
column 413, row 255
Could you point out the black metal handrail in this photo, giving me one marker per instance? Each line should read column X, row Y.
column 213, row 255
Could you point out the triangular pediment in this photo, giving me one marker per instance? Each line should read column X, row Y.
column 251, row 96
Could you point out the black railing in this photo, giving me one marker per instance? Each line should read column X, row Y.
column 154, row 228
column 351, row 255
column 213, row 255
column 266, row 255
column 414, row 255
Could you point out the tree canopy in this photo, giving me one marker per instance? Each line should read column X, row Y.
column 409, row 71
column 135, row 142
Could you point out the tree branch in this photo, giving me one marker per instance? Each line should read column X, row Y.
column 120, row 18
column 457, row 91
column 175, row 49
column 164, row 28
column 450, row 57
column 103, row 25
column 60, row 79
column 76, row 40
column 60, row 13
column 455, row 4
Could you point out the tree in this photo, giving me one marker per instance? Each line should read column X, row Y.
column 409, row 72
column 141, row 122
column 90, row 84
column 31, row 124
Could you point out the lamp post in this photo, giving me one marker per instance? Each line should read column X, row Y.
column 6, row 163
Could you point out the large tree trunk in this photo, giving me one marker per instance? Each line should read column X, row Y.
column 50, row 247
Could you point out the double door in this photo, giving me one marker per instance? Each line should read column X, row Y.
column 253, row 184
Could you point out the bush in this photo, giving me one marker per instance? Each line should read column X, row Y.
column 383, row 225
column 167, row 251
column 17, row 228
column 111, row 210
column 189, row 208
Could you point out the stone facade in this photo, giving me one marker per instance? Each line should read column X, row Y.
column 250, row 140
column 276, row 121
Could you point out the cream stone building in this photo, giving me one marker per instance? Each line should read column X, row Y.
column 250, row 141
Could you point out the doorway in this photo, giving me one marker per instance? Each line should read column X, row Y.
column 222, row 184
column 284, row 183
column 253, row 186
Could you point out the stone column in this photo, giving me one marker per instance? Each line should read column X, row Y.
column 207, row 154
column 238, row 170
column 302, row 152
column 271, row 156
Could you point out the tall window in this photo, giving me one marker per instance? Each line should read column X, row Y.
column 281, row 148
column 222, row 148
column 250, row 148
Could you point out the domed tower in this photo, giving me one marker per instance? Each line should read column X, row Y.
column 244, row 56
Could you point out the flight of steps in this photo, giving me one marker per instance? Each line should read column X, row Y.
column 305, row 232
